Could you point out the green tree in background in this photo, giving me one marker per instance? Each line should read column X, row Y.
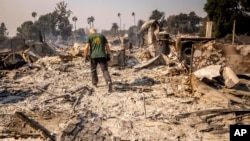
column 156, row 15
column 184, row 23
column 24, row 30
column 160, row 17
column 50, row 25
column 63, row 26
column 3, row 29
column 140, row 23
column 224, row 12
column 30, row 30
column 45, row 26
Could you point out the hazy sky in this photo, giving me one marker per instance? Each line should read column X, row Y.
column 14, row 12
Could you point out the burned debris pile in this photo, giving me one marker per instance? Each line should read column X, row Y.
column 16, row 52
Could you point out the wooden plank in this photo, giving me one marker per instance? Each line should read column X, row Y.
column 234, row 98
column 230, row 77
column 244, row 81
column 236, row 92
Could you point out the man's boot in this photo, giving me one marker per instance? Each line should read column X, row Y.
column 109, row 83
column 94, row 84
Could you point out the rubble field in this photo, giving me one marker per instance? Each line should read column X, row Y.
column 153, row 99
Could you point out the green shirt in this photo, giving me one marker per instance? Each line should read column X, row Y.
column 97, row 44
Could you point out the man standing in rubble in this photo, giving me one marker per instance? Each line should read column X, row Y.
column 97, row 51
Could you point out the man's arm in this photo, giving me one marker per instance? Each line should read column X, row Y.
column 86, row 50
column 107, row 52
column 107, row 48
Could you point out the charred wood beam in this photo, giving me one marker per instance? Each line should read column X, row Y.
column 202, row 39
column 17, row 135
column 212, row 111
column 45, row 132
column 66, row 96
column 134, row 88
column 43, row 90
column 209, row 119
column 90, row 91
column 86, row 90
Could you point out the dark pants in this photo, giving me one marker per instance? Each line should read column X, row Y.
column 104, row 67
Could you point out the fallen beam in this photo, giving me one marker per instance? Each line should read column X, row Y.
column 244, row 81
column 234, row 98
column 67, row 96
column 134, row 88
column 15, row 135
column 236, row 92
column 212, row 111
column 45, row 132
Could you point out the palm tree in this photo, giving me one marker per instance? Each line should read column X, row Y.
column 119, row 15
column 34, row 14
column 74, row 19
column 92, row 21
column 89, row 22
column 133, row 14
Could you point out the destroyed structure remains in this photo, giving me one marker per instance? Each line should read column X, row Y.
column 168, row 88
